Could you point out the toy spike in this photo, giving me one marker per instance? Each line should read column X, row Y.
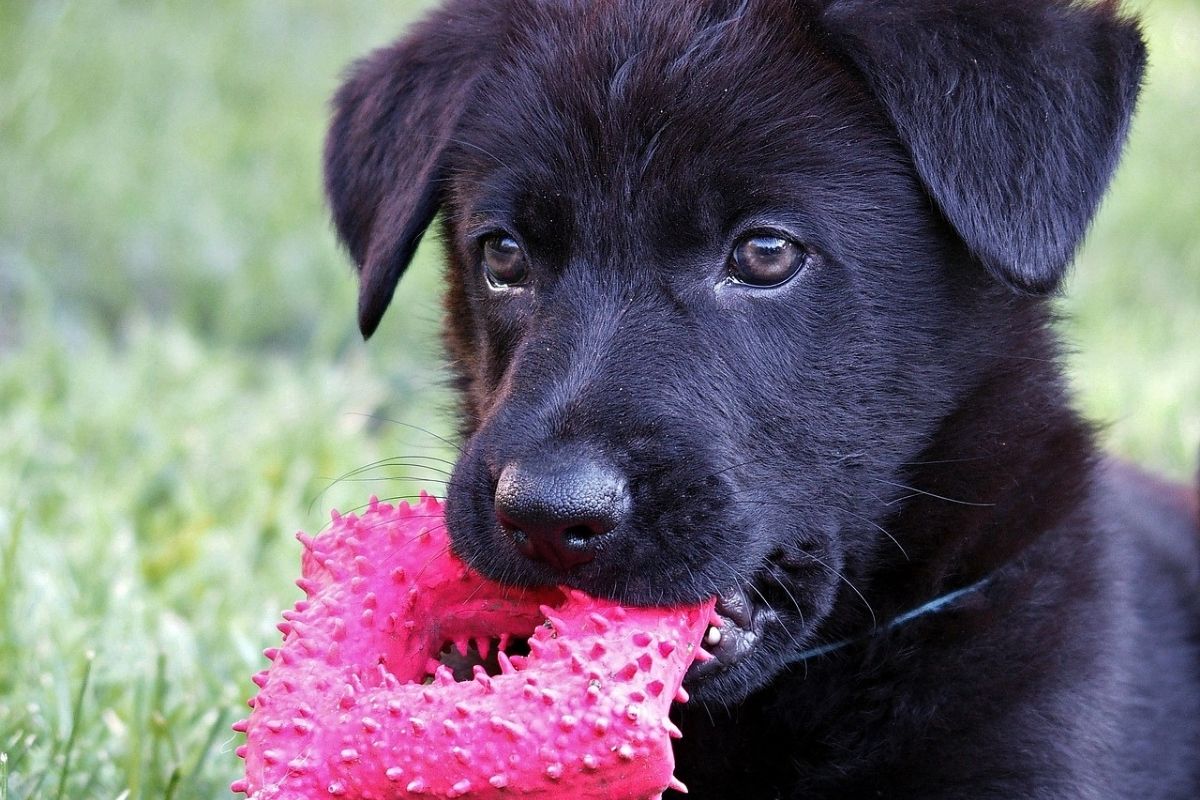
column 483, row 646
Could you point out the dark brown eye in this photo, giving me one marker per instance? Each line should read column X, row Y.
column 504, row 261
column 763, row 259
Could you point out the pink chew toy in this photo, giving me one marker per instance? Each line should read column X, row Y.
column 396, row 679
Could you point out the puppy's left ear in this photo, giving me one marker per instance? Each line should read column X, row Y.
column 1014, row 112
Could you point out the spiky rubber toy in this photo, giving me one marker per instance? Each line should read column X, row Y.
column 360, row 703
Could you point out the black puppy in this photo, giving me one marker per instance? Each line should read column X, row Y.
column 748, row 298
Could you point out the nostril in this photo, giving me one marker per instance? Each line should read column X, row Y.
column 581, row 535
column 557, row 508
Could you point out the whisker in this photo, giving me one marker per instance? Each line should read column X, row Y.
column 441, row 553
column 767, row 604
column 393, row 461
column 380, row 418
column 698, row 481
column 930, row 494
column 877, row 527
column 860, row 517
column 935, row 462
column 847, row 581
column 426, row 479
column 788, row 592
column 399, row 461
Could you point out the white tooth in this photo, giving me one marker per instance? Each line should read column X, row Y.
column 713, row 637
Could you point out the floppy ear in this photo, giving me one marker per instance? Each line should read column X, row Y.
column 391, row 122
column 1014, row 112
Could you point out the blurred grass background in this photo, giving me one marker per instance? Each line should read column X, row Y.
column 180, row 374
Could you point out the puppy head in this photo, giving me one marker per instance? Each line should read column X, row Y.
column 718, row 271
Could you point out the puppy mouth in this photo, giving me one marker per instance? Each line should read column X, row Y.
column 738, row 627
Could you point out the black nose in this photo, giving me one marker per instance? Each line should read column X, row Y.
column 558, row 508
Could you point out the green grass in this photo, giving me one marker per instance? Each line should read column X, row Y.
column 1134, row 302
column 180, row 373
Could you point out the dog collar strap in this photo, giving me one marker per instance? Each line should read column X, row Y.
column 932, row 607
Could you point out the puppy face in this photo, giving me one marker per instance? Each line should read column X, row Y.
column 704, row 302
column 727, row 288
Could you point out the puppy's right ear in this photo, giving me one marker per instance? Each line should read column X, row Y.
column 391, row 122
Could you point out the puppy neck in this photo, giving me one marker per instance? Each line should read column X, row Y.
column 1011, row 463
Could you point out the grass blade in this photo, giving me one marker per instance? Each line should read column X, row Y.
column 213, row 732
column 172, row 784
column 89, row 657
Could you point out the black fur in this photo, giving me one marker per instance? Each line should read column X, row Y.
column 888, row 426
